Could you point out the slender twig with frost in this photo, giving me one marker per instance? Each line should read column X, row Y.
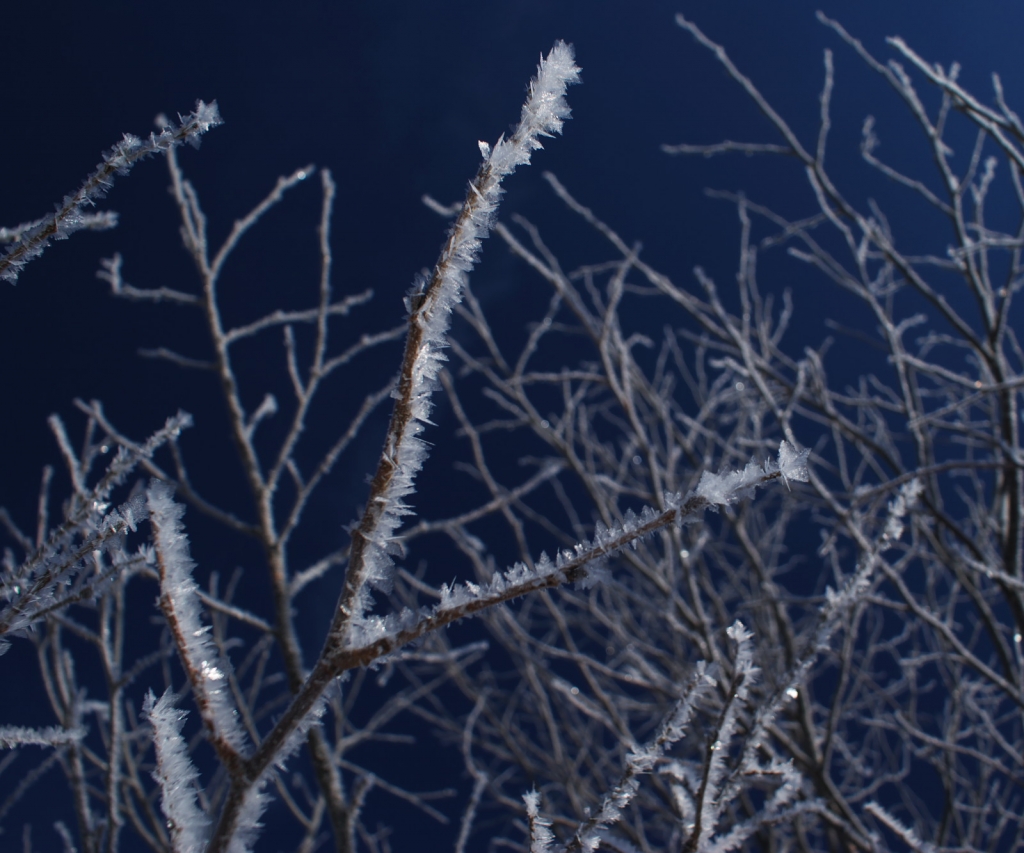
column 430, row 304
column 71, row 215
column 189, row 825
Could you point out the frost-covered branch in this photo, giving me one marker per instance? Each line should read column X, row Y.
column 179, row 781
column 541, row 837
column 71, row 214
column 430, row 305
column 642, row 760
column 15, row 736
column 179, row 600
column 381, row 635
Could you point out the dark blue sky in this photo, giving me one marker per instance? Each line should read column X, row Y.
column 392, row 97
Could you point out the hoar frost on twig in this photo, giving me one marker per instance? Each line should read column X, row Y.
column 709, row 789
column 430, row 304
column 641, row 760
column 176, row 775
column 15, row 736
column 378, row 635
column 179, row 601
column 31, row 239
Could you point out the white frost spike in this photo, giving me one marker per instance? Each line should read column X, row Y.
column 731, row 486
column 792, row 463
column 176, row 776
column 179, row 598
column 543, row 113
column 541, row 836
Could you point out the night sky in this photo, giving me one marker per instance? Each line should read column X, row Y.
column 392, row 97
